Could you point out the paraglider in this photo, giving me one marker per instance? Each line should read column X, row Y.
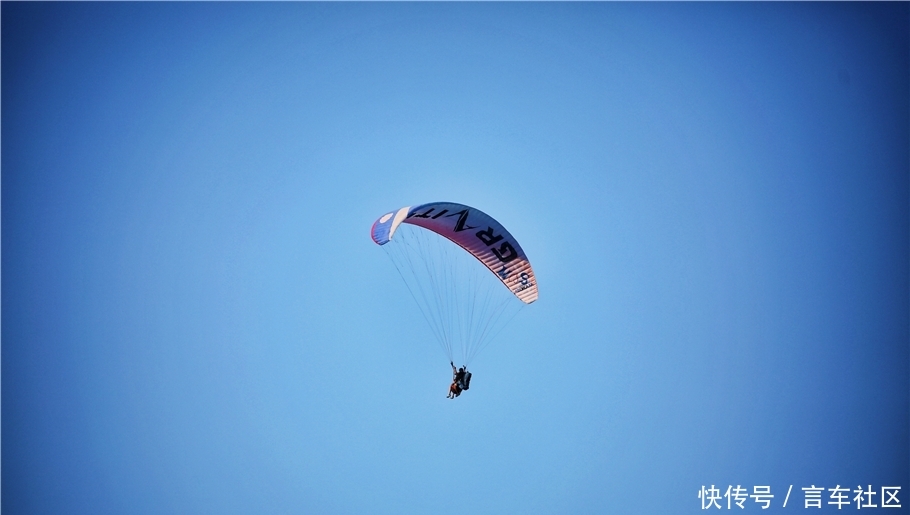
column 461, row 381
column 466, row 272
column 458, row 381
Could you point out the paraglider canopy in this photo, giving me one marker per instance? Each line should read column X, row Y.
column 474, row 231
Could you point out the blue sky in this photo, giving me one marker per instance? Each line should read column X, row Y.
column 714, row 197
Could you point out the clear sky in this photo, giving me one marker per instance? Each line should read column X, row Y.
column 714, row 198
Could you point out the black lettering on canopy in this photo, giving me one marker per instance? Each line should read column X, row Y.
column 461, row 225
column 487, row 237
column 505, row 252
column 425, row 214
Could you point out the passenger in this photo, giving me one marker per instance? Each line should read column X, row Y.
column 454, row 391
